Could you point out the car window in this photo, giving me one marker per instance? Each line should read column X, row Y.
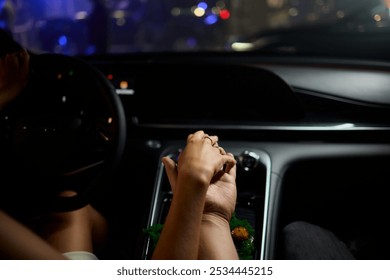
column 90, row 27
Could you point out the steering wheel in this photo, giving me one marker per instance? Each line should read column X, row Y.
column 66, row 131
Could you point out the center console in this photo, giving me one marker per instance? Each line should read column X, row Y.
column 253, row 176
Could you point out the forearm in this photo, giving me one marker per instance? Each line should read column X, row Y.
column 216, row 242
column 180, row 236
column 19, row 242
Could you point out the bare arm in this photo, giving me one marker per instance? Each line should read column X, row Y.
column 216, row 242
column 180, row 236
column 198, row 164
column 16, row 240
column 54, row 234
column 19, row 242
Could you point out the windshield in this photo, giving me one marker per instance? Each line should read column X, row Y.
column 90, row 27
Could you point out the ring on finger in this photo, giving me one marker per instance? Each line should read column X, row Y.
column 211, row 140
column 222, row 151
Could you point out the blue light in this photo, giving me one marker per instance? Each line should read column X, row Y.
column 62, row 40
column 211, row 19
column 192, row 42
column 202, row 5
column 91, row 49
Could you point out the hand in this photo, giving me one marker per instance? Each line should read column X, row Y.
column 200, row 168
column 222, row 195
column 202, row 155
column 200, row 161
column 14, row 69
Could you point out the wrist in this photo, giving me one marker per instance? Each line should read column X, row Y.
column 216, row 219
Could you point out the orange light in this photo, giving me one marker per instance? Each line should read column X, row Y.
column 124, row 84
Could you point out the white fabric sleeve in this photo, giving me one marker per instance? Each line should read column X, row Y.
column 80, row 255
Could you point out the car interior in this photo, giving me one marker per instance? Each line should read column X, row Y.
column 307, row 118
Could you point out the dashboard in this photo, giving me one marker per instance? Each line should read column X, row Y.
column 311, row 137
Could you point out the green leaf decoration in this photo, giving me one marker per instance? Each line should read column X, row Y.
column 244, row 245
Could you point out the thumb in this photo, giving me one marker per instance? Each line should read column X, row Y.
column 170, row 169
